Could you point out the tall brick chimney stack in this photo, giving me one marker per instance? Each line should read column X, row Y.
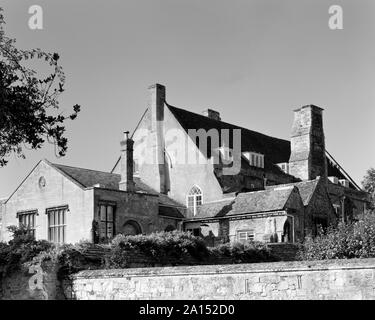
column 126, row 164
column 308, row 157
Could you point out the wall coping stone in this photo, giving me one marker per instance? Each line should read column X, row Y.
column 318, row 265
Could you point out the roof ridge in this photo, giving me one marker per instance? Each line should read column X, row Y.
column 63, row 165
column 231, row 124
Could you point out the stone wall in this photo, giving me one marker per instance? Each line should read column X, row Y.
column 36, row 282
column 339, row 279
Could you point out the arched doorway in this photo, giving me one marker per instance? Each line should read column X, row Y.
column 287, row 232
column 131, row 228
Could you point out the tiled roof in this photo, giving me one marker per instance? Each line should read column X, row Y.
column 305, row 188
column 247, row 203
column 214, row 209
column 261, row 201
column 170, row 212
column 89, row 178
column 275, row 150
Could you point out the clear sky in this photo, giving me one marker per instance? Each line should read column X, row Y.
column 252, row 60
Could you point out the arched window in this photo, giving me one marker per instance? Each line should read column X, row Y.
column 194, row 199
column 131, row 228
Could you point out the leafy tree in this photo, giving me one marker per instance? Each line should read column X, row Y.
column 368, row 184
column 29, row 106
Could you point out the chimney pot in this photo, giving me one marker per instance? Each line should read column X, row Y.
column 212, row 114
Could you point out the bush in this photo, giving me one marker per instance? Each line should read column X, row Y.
column 21, row 249
column 159, row 248
column 347, row 241
column 240, row 252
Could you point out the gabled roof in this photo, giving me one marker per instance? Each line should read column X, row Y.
column 275, row 150
column 214, row 209
column 261, row 201
column 305, row 188
column 247, row 203
column 89, row 178
column 171, row 212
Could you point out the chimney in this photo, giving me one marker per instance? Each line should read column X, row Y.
column 126, row 165
column 212, row 114
column 156, row 105
column 308, row 156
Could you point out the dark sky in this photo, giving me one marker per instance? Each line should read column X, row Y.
column 254, row 61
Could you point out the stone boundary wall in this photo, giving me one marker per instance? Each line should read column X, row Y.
column 36, row 282
column 329, row 279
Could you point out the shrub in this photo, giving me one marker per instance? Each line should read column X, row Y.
column 22, row 248
column 247, row 252
column 346, row 241
column 159, row 248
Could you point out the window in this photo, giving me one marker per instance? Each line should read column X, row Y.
column 254, row 159
column 57, row 224
column 245, row 235
column 106, row 222
column 284, row 166
column 195, row 231
column 27, row 220
column 194, row 199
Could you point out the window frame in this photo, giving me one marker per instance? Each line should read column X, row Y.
column 28, row 214
column 250, row 235
column 57, row 230
column 106, row 222
column 194, row 197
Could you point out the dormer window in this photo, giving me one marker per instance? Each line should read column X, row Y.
column 284, row 166
column 255, row 159
column 194, row 199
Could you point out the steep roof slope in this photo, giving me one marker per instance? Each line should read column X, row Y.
column 306, row 189
column 276, row 150
column 247, row 203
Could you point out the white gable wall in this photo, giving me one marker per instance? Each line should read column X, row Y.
column 58, row 191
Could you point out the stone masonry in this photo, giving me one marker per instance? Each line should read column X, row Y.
column 344, row 279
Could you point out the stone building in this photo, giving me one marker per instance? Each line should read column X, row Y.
column 187, row 171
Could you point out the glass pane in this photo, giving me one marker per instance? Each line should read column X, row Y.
column 63, row 234
column 109, row 213
column 102, row 229
column 109, row 230
column 63, row 216
column 59, row 235
column 50, row 219
column 198, row 200
column 190, row 201
column 103, row 213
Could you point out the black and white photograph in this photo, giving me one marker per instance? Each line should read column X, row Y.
column 187, row 155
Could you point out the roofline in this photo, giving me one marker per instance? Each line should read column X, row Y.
column 234, row 125
column 168, row 217
column 23, row 180
column 131, row 137
column 76, row 182
column 117, row 190
column 233, row 215
column 341, row 169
